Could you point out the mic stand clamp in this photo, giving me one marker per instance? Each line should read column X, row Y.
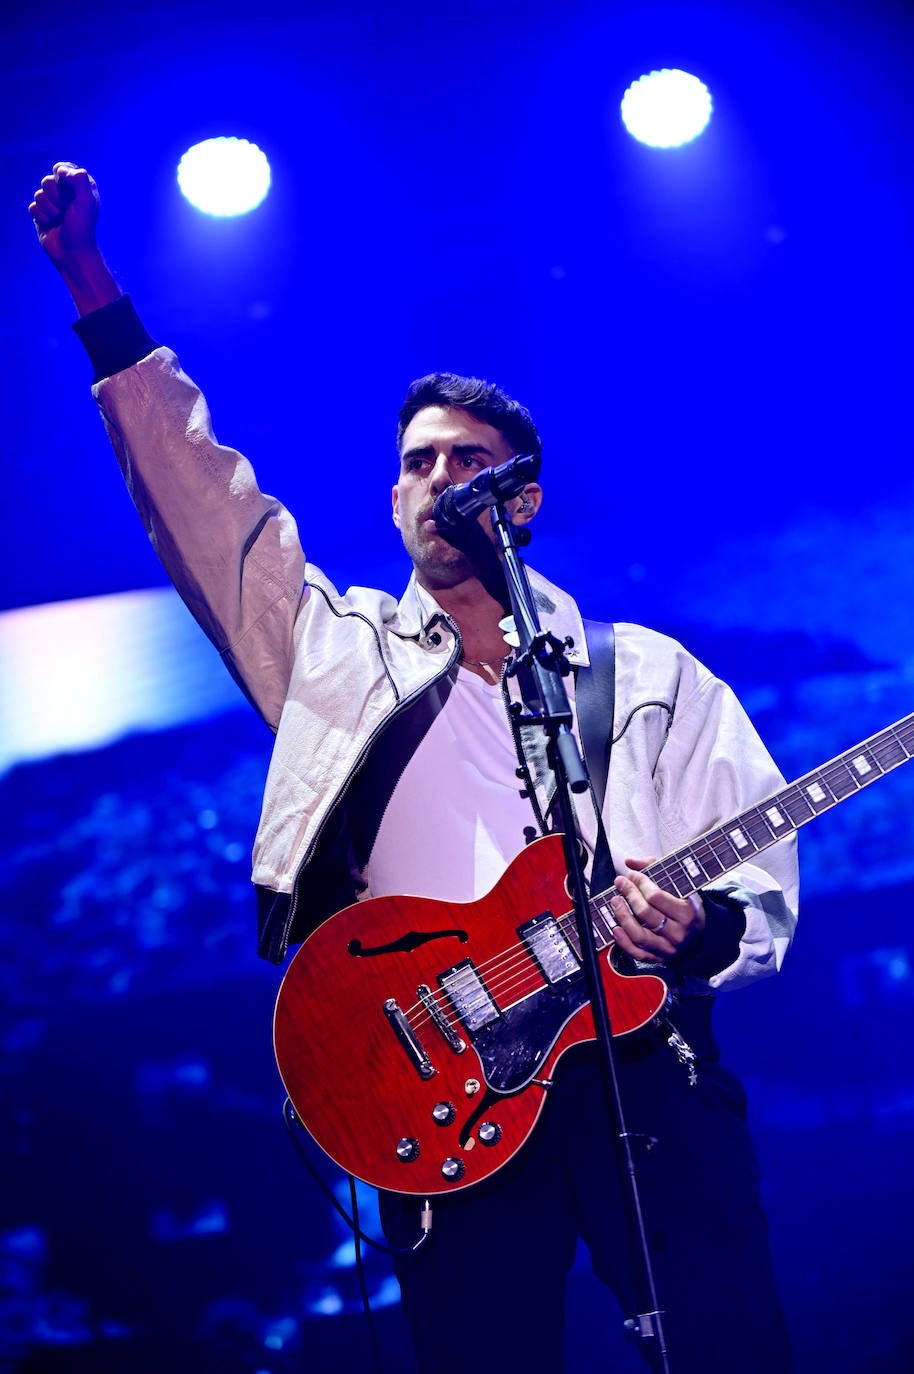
column 543, row 655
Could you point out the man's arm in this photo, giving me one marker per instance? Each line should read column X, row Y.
column 232, row 552
column 712, row 767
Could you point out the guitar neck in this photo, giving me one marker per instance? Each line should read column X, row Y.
column 738, row 840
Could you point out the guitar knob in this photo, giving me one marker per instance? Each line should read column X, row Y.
column 453, row 1169
column 443, row 1113
column 408, row 1149
column 489, row 1133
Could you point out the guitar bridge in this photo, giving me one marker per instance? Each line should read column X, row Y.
column 454, row 1041
column 408, row 1039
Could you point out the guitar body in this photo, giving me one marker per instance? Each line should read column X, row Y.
column 416, row 1037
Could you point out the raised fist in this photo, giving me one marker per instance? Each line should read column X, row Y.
column 65, row 211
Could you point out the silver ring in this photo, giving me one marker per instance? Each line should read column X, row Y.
column 657, row 929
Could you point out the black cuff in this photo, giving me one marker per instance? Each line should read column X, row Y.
column 718, row 945
column 114, row 337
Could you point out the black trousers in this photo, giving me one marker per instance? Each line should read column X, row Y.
column 488, row 1288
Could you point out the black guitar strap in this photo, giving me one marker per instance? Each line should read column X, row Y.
column 595, row 699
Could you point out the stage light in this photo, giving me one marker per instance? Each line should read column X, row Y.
column 224, row 176
column 667, row 108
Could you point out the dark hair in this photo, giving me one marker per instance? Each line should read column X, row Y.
column 483, row 400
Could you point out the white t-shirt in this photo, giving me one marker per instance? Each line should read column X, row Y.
column 458, row 815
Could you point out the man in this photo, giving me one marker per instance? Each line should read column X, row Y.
column 395, row 769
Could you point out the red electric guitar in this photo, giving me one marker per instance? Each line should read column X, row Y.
column 416, row 1038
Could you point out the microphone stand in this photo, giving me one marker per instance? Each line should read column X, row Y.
column 544, row 656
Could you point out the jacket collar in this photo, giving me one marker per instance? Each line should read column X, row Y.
column 418, row 612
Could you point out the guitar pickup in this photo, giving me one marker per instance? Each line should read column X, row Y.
column 408, row 1039
column 549, row 949
column 469, row 995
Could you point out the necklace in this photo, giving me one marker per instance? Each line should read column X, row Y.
column 492, row 667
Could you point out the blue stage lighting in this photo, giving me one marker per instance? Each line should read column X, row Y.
column 667, row 108
column 224, row 176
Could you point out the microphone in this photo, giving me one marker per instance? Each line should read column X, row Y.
column 460, row 504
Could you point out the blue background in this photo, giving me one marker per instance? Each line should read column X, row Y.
column 716, row 345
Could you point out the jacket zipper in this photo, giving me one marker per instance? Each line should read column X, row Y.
column 350, row 777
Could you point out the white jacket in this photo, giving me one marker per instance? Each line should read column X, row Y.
column 330, row 673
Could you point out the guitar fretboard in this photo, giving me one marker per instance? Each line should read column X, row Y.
column 720, row 850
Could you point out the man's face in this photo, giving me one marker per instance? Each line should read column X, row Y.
column 442, row 446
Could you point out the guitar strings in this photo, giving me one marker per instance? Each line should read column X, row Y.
column 515, row 970
column 510, row 971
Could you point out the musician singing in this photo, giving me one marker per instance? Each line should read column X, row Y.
column 397, row 770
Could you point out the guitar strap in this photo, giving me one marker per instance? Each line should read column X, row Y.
column 595, row 700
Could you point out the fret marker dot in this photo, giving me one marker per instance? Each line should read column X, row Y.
column 816, row 791
column 861, row 765
column 774, row 816
column 738, row 839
